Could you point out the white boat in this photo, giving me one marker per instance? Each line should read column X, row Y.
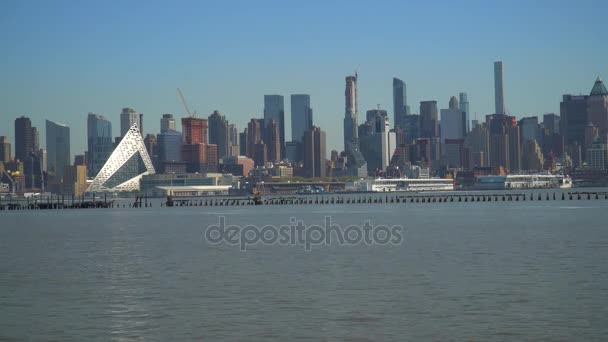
column 523, row 181
column 406, row 184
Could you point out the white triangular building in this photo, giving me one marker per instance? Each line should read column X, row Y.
column 125, row 167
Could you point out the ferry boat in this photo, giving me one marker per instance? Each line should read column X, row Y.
column 406, row 184
column 523, row 181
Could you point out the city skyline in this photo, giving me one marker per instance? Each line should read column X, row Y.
column 56, row 82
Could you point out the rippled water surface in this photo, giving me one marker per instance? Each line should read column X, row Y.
column 465, row 271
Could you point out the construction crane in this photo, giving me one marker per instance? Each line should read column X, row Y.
column 181, row 96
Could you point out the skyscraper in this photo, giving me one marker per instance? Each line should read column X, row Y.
column 301, row 116
column 99, row 142
column 233, row 140
column 351, row 112
column 573, row 120
column 464, row 107
column 24, row 138
column 529, row 129
column 194, row 130
column 5, row 150
column 128, row 117
column 504, row 142
column 452, row 124
column 315, row 152
column 274, row 109
column 499, row 94
column 169, row 146
column 428, row 119
column 400, row 108
column 58, row 148
column 167, row 122
column 477, row 143
column 377, row 142
column 453, row 104
column 219, row 134
column 255, row 135
column 597, row 108
column 272, row 141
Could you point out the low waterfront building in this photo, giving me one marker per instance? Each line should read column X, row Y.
column 148, row 183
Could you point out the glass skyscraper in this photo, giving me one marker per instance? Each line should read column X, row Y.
column 57, row 148
column 274, row 109
column 301, row 116
column 99, row 142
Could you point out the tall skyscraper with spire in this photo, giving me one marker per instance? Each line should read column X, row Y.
column 499, row 93
column 351, row 111
column 464, row 107
column 400, row 108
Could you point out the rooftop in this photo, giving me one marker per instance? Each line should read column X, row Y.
column 598, row 88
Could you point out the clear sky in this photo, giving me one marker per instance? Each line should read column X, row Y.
column 63, row 59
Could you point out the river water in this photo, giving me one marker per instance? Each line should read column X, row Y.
column 464, row 271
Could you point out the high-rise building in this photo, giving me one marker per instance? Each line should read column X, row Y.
column 167, row 122
column 573, row 120
column 151, row 142
column 597, row 108
column 551, row 123
column 411, row 128
column 597, row 155
column 504, row 142
column 400, row 108
column 169, row 146
column 74, row 180
column 428, row 119
column 454, row 152
column 529, row 129
column 255, row 135
column 315, row 152
column 259, row 154
column 453, row 122
column 99, row 142
column 24, row 138
column 219, row 133
column 233, row 141
column 351, row 112
column 128, row 118
column 5, row 150
column 464, row 107
column 243, row 142
column 272, row 141
column 372, row 114
column 274, row 109
column 477, row 142
column 377, row 143
column 194, row 130
column 57, row 148
column 301, row 116
column 532, row 156
column 499, row 94
column 453, row 104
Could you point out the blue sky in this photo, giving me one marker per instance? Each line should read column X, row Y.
column 63, row 59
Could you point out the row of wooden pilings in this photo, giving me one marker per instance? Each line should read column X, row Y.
column 376, row 198
column 392, row 198
column 61, row 202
